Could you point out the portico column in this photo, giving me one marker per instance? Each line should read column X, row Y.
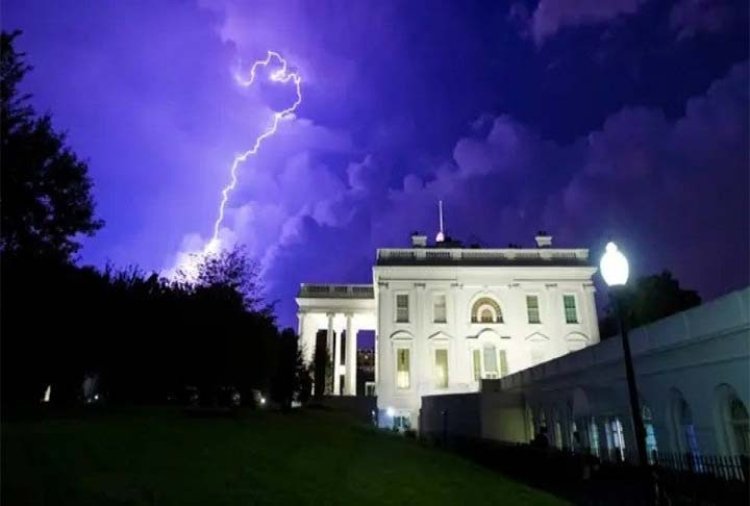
column 329, row 344
column 350, row 385
column 337, row 365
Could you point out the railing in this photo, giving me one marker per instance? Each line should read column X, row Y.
column 587, row 479
column 336, row 291
column 482, row 256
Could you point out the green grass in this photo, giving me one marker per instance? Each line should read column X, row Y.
column 162, row 457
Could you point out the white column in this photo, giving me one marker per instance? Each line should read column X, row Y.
column 337, row 365
column 350, row 385
column 329, row 344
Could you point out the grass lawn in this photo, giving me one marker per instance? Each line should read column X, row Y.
column 160, row 456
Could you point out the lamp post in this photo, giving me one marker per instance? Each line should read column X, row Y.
column 615, row 270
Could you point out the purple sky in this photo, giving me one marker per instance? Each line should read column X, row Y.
column 624, row 119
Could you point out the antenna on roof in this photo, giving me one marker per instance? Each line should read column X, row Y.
column 441, row 235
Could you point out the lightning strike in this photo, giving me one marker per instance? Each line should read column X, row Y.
column 281, row 75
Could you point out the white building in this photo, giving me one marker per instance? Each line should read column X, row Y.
column 446, row 317
column 693, row 378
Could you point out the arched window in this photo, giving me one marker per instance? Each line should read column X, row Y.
column 740, row 426
column 734, row 420
column 682, row 425
column 486, row 310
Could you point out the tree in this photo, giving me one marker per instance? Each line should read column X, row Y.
column 286, row 380
column 322, row 376
column 231, row 271
column 648, row 299
column 45, row 189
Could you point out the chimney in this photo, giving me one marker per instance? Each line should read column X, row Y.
column 543, row 240
column 418, row 240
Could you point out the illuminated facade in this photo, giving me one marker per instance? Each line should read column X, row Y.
column 446, row 317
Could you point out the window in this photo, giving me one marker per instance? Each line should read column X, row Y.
column 441, row 368
column 439, row 309
column 402, row 308
column 682, row 418
column 477, row 359
column 490, row 362
column 735, row 421
column 403, row 378
column 571, row 314
column 486, row 310
column 594, row 437
column 740, row 426
column 648, row 426
column 532, row 308
column 618, row 439
column 503, row 363
column 486, row 316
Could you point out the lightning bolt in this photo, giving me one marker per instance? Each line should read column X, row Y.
column 280, row 75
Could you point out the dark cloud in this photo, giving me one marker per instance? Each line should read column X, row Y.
column 590, row 135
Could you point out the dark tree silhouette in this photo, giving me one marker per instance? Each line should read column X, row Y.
column 145, row 339
column 648, row 299
column 286, row 379
column 45, row 190
column 232, row 271
column 321, row 366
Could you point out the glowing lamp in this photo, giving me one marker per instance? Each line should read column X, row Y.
column 614, row 266
column 390, row 412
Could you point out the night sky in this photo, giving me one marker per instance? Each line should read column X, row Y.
column 590, row 119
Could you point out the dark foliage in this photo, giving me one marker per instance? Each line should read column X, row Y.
column 45, row 190
column 143, row 339
column 321, row 366
column 285, row 379
column 648, row 299
column 146, row 339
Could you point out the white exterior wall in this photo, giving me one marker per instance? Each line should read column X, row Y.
column 699, row 352
column 463, row 285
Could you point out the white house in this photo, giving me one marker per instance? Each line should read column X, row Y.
column 693, row 379
column 446, row 317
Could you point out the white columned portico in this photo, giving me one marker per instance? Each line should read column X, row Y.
column 339, row 309
column 350, row 380
column 337, row 363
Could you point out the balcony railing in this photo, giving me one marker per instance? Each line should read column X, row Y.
column 509, row 256
column 313, row 291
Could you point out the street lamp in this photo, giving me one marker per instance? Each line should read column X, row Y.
column 615, row 271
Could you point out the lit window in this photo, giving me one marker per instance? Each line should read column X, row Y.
column 618, row 438
column 648, row 425
column 490, row 362
column 441, row 368
column 440, row 309
column 594, row 437
column 403, row 378
column 503, row 363
column 571, row 314
column 532, row 308
column 402, row 308
column 477, row 359
column 486, row 310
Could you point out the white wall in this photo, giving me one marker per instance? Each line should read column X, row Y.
column 700, row 353
column 463, row 285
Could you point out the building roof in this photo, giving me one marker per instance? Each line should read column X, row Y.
column 483, row 257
